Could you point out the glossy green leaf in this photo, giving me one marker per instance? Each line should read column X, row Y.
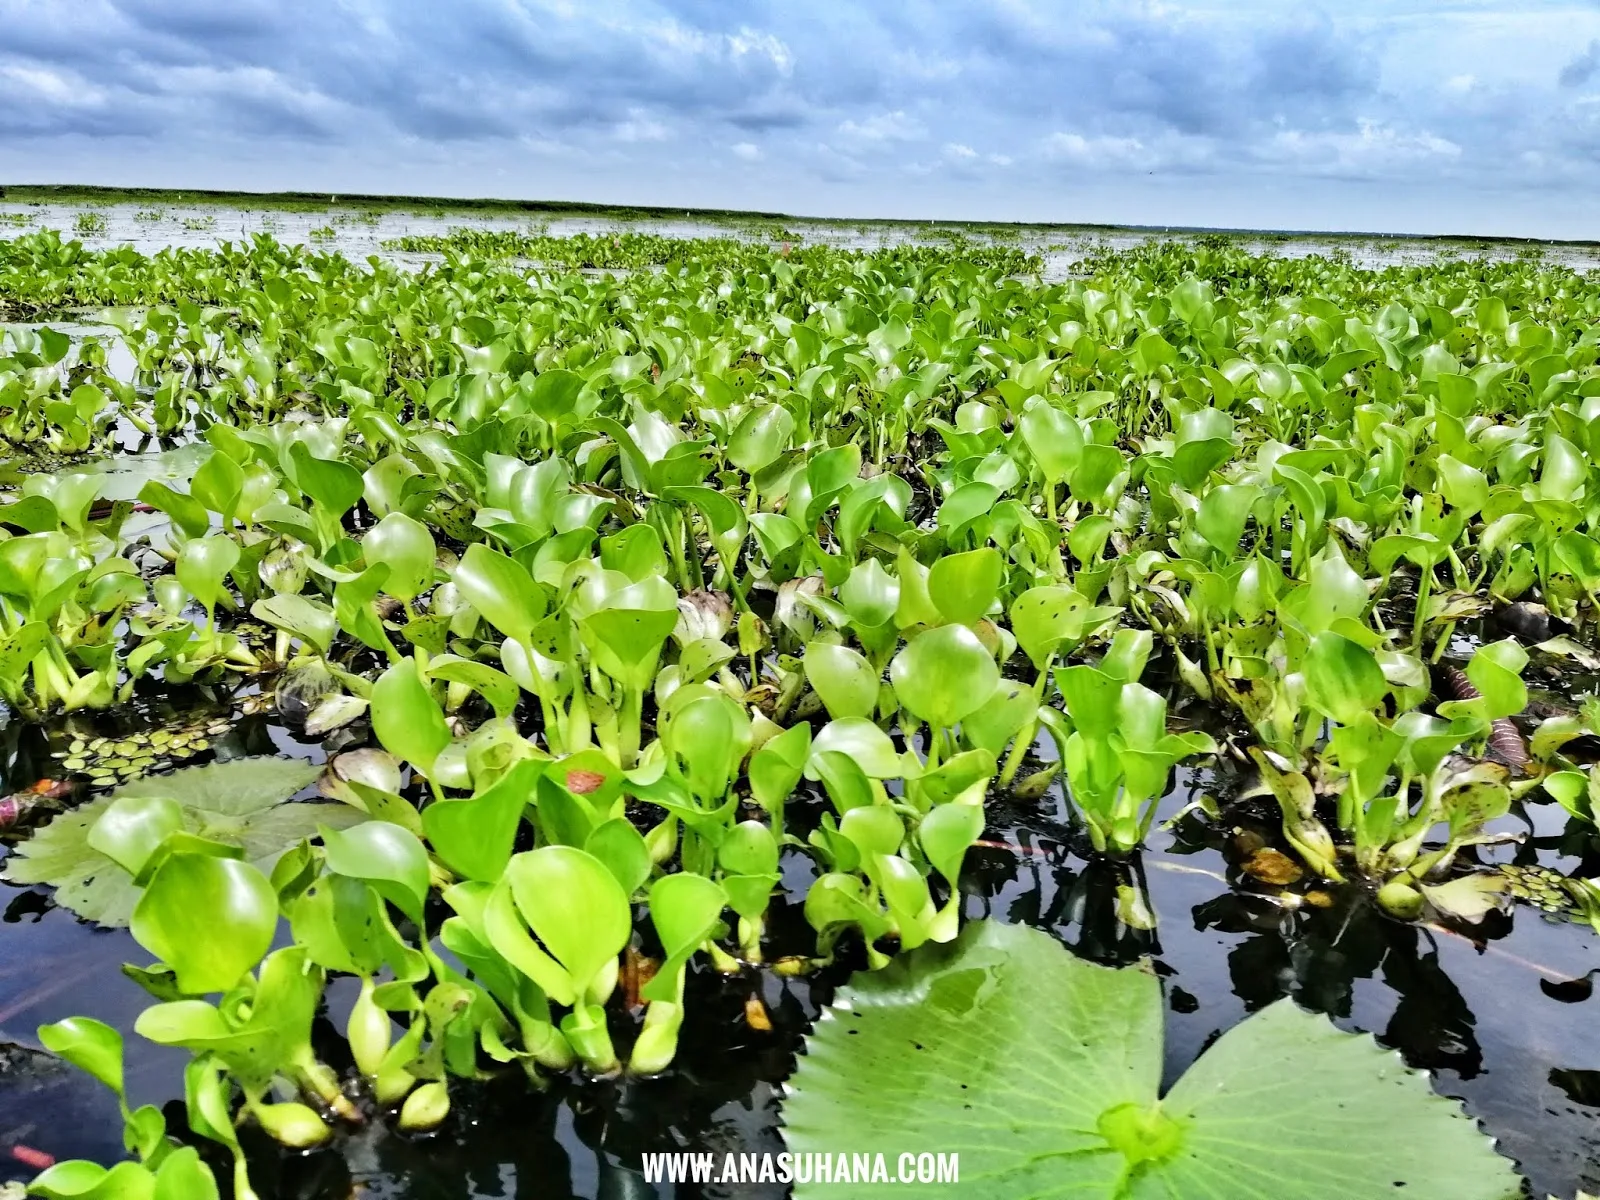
column 210, row 919
column 1343, row 680
column 406, row 718
column 386, row 856
column 964, row 586
column 203, row 567
column 501, row 589
column 575, row 907
column 943, row 674
column 91, row 1046
column 475, row 837
column 406, row 547
column 843, row 679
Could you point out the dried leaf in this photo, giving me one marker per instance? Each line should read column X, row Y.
column 755, row 1015
column 1469, row 897
column 333, row 711
column 1565, row 647
column 1272, row 866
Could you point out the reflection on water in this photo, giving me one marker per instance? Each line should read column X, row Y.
column 1504, row 1021
column 1504, row 1017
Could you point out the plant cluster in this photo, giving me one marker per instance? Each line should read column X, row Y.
column 634, row 250
column 644, row 582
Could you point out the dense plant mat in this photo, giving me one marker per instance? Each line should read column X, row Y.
column 616, row 595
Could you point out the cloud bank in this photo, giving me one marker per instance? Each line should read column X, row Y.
column 1478, row 116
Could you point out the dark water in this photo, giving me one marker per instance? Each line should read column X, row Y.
column 1501, row 1013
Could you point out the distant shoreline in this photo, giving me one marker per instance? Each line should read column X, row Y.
column 36, row 193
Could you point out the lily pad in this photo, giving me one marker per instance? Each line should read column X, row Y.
column 240, row 802
column 1043, row 1073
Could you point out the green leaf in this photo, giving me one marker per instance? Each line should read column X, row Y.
column 308, row 619
column 946, row 833
column 776, row 768
column 760, row 437
column 91, row 1046
column 1223, row 513
column 501, row 589
column 406, row 718
column 498, row 688
column 210, row 919
column 575, row 906
column 80, row 1180
column 748, row 849
column 187, row 513
column 237, row 803
column 333, row 484
column 684, row 908
column 133, row 827
column 943, row 674
column 1042, row 1071
column 966, row 504
column 352, row 605
column 1496, row 671
column 859, row 740
column 203, row 566
column 623, row 850
column 474, row 837
column 843, row 678
column 390, row 858
column 1343, row 679
column 1464, row 486
column 1045, row 619
column 407, row 547
column 1054, row 439
column 183, row 1176
column 963, row 586
column 217, row 485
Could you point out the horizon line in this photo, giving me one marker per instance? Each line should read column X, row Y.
column 215, row 195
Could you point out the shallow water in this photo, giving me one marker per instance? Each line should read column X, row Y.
column 1492, row 1012
column 357, row 233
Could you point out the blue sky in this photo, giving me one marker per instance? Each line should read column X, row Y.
column 1481, row 116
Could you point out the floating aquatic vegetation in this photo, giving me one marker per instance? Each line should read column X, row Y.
column 616, row 565
column 107, row 761
column 239, row 803
column 1044, row 1071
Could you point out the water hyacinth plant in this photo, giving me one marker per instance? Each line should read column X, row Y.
column 650, row 620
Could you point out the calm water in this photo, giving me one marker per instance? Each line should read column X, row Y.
column 1495, row 1015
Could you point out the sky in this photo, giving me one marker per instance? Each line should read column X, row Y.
column 1476, row 117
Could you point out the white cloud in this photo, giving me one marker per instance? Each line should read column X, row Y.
column 1097, row 151
column 1371, row 146
column 1169, row 110
column 640, row 128
column 52, row 87
column 748, row 43
column 885, row 127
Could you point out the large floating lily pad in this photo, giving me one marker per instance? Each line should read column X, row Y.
column 240, row 802
column 1043, row 1072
